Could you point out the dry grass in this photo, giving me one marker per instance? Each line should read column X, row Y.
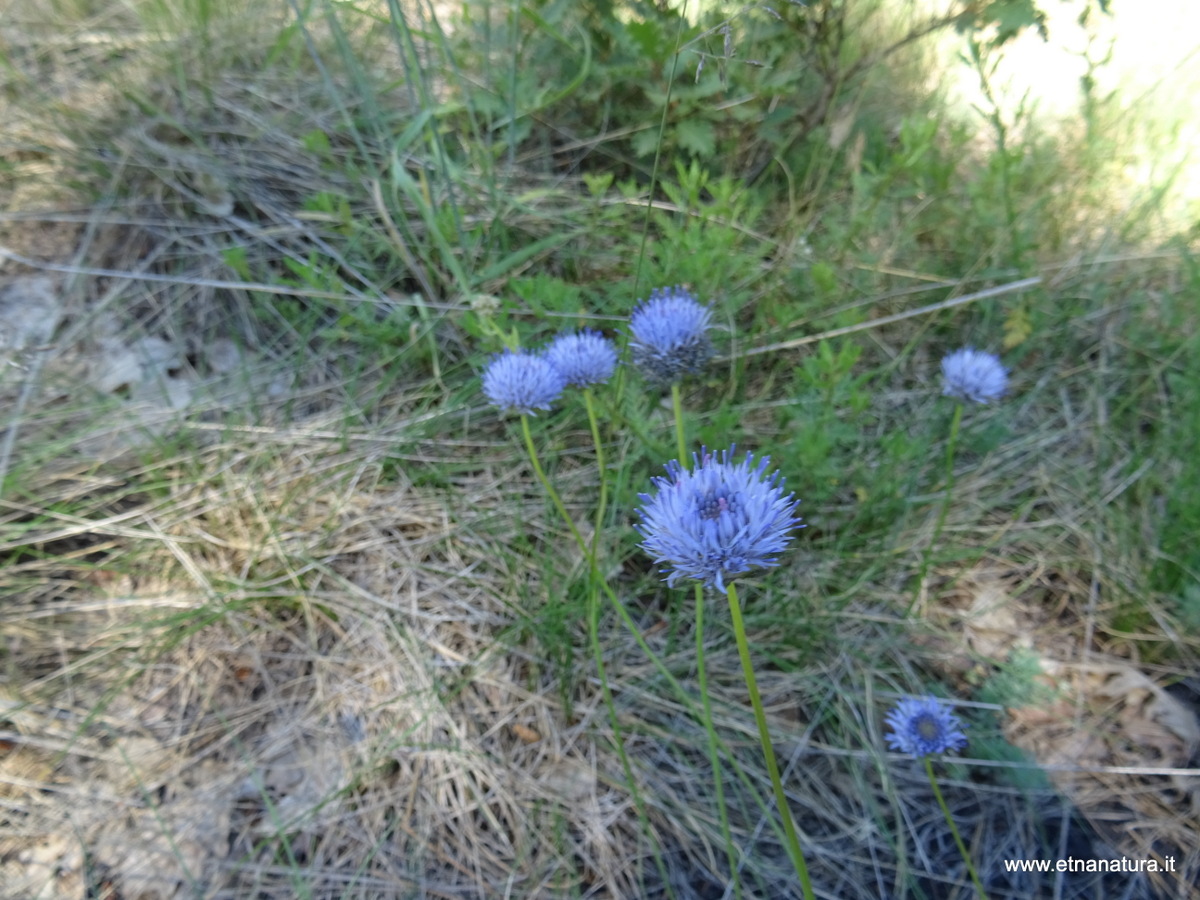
column 281, row 674
column 321, row 695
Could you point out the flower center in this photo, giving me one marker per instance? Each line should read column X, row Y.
column 927, row 728
column 712, row 506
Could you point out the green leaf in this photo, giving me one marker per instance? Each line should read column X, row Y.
column 1017, row 327
column 645, row 142
column 697, row 136
column 649, row 38
column 823, row 277
column 317, row 141
column 235, row 258
column 598, row 183
column 523, row 255
column 1011, row 17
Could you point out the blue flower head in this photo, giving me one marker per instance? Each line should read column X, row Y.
column 974, row 375
column 522, row 382
column 923, row 726
column 718, row 519
column 670, row 335
column 582, row 358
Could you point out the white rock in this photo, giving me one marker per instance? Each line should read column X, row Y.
column 30, row 310
column 224, row 356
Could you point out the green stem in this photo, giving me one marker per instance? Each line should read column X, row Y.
column 789, row 827
column 714, row 757
column 680, row 456
column 618, row 738
column 926, row 558
column 680, row 442
column 962, row 848
column 595, row 582
column 616, row 415
column 658, row 148
column 594, row 586
column 541, row 474
column 600, row 465
column 668, row 677
column 631, row 626
column 604, row 586
column 682, row 695
column 951, row 446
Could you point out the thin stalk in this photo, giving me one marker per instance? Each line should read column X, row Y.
column 594, row 584
column 789, row 827
column 680, row 442
column 617, row 417
column 549, row 488
column 620, row 609
column 682, row 695
column 714, row 756
column 618, row 738
column 633, row 629
column 600, row 465
column 681, row 457
column 658, row 149
column 962, row 848
column 951, row 446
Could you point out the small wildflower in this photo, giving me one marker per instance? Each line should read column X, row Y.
column 718, row 519
column 670, row 335
column 522, row 382
column 974, row 375
column 583, row 358
column 923, row 726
